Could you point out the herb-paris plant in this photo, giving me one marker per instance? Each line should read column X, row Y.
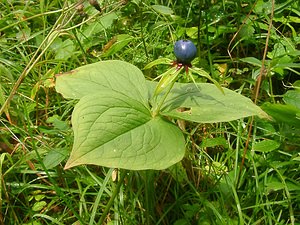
column 113, row 124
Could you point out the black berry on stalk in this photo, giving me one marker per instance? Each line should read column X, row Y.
column 185, row 51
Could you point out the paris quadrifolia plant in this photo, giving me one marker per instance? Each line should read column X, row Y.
column 124, row 121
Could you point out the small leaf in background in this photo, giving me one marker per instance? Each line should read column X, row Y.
column 23, row 34
column 296, row 85
column 91, row 33
column 33, row 223
column 48, row 79
column 274, row 184
column 279, row 50
column 66, row 50
column 292, row 97
column 263, row 7
column 35, row 90
column 37, row 195
column 246, row 31
column 182, row 222
column 33, row 155
column 5, row 73
column 62, row 49
column 108, row 19
column 266, row 146
column 55, row 157
column 212, row 142
column 216, row 168
column 2, row 95
column 98, row 26
column 164, row 10
column 282, row 63
column 283, row 113
column 56, row 44
column 38, row 206
column 119, row 42
column 297, row 158
column 58, row 123
column 252, row 60
column 178, row 172
column 192, row 32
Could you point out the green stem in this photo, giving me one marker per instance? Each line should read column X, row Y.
column 159, row 105
column 142, row 32
column 112, row 199
column 149, row 196
column 169, row 86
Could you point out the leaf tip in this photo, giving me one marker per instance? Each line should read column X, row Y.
column 266, row 116
column 68, row 165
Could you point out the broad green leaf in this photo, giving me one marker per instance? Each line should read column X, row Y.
column 252, row 61
column 212, row 142
column 164, row 10
column 292, row 97
column 112, row 74
column 294, row 19
column 274, row 184
column 297, row 158
column 206, row 103
column 287, row 65
column 296, row 85
column 283, row 113
column 263, row 7
column 279, row 50
column 266, row 146
column 114, row 130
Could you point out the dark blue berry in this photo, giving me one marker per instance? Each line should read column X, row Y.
column 185, row 51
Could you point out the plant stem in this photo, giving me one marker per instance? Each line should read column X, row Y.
column 158, row 106
column 149, row 196
column 100, row 193
column 112, row 199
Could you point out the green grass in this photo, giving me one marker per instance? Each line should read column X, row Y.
column 226, row 176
